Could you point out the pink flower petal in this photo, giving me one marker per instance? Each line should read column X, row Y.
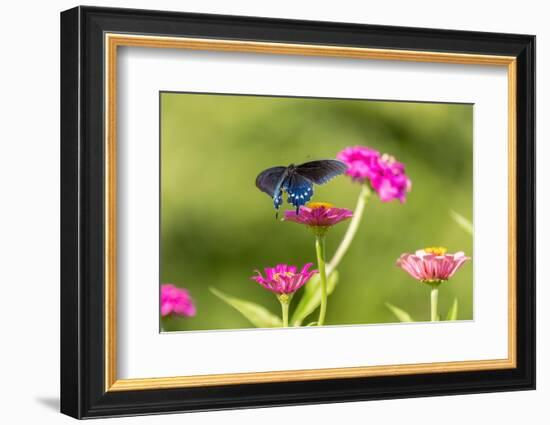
column 319, row 216
column 385, row 175
column 428, row 267
column 175, row 300
column 285, row 279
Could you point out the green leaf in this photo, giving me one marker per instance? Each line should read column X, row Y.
column 401, row 315
column 463, row 222
column 311, row 299
column 453, row 311
column 257, row 315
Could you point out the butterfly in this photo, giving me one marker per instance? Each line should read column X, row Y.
column 297, row 181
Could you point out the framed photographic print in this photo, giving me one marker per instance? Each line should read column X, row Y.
column 261, row 212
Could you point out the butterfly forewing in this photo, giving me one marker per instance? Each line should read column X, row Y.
column 270, row 180
column 320, row 172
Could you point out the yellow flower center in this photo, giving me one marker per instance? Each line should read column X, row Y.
column 276, row 276
column 388, row 158
column 436, row 250
column 315, row 205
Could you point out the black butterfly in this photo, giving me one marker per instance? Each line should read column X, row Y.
column 297, row 180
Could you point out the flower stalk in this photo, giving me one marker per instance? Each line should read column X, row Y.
column 433, row 302
column 284, row 299
column 285, row 314
column 320, row 250
column 351, row 230
column 320, row 217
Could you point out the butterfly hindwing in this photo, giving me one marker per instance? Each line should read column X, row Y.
column 320, row 172
column 299, row 189
column 278, row 199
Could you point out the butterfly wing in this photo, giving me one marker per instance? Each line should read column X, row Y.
column 320, row 172
column 299, row 189
column 297, row 182
column 271, row 181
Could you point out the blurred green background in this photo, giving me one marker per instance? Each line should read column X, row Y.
column 217, row 227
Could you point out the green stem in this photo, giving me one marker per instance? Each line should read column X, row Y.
column 320, row 249
column 352, row 229
column 284, row 307
column 433, row 303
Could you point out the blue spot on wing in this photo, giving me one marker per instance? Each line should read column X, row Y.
column 278, row 199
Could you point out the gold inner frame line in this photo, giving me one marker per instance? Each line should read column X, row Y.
column 113, row 41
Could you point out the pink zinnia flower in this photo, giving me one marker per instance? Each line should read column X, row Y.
column 432, row 265
column 283, row 279
column 362, row 162
column 385, row 175
column 175, row 300
column 319, row 215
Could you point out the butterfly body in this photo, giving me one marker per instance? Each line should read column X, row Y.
column 297, row 180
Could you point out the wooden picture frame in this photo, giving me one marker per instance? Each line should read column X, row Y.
column 90, row 39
